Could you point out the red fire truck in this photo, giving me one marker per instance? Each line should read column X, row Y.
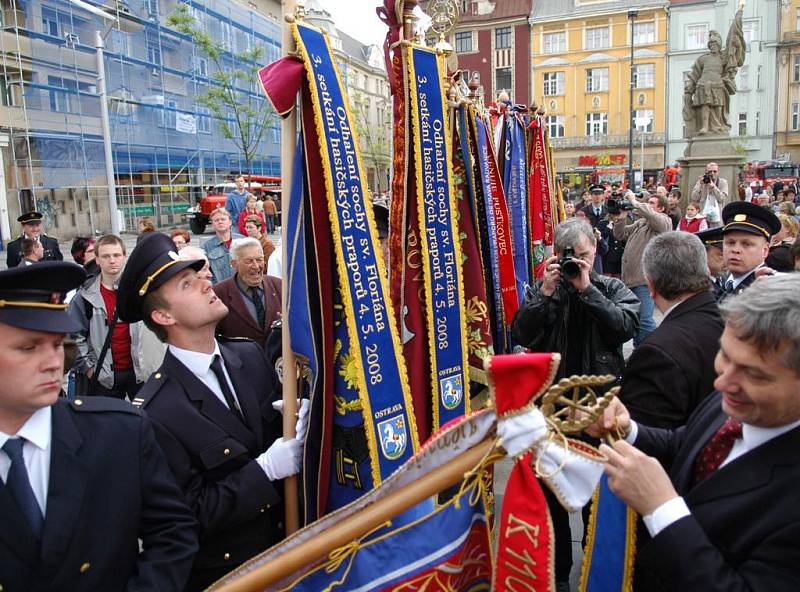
column 199, row 214
column 766, row 172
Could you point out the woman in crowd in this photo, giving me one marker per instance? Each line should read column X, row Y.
column 780, row 256
column 693, row 221
column 146, row 226
column 249, row 210
column 181, row 238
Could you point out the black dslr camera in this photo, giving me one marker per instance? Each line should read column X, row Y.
column 569, row 266
column 617, row 204
column 706, row 179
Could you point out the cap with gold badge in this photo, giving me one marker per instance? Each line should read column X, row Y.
column 743, row 216
column 711, row 237
column 30, row 218
column 32, row 297
column 150, row 264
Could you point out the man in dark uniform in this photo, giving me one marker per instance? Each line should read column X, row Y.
column 82, row 483
column 32, row 228
column 747, row 230
column 211, row 408
column 596, row 211
column 712, row 241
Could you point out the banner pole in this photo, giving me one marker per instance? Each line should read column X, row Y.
column 288, row 146
column 360, row 523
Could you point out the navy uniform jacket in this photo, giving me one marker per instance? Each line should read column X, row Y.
column 211, row 452
column 109, row 486
column 744, row 527
column 51, row 250
column 745, row 283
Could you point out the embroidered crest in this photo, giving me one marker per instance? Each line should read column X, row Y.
column 393, row 436
column 452, row 391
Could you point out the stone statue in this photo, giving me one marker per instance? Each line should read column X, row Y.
column 712, row 81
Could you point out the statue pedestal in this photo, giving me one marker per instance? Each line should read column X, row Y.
column 710, row 148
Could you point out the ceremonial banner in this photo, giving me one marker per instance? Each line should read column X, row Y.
column 479, row 337
column 610, row 549
column 447, row 549
column 441, row 249
column 499, row 239
column 540, row 197
column 363, row 417
column 516, row 188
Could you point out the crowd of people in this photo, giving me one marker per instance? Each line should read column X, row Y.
column 186, row 439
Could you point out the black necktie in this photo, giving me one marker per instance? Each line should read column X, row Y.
column 19, row 486
column 729, row 287
column 216, row 368
column 258, row 301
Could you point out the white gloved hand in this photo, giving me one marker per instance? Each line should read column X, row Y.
column 282, row 459
column 301, row 427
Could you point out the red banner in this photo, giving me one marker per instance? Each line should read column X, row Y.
column 525, row 548
column 540, row 204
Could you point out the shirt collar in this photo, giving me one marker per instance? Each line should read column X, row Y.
column 738, row 279
column 244, row 287
column 755, row 436
column 197, row 362
column 37, row 430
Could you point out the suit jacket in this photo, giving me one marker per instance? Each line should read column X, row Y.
column 589, row 211
column 744, row 526
column 50, row 245
column 211, row 452
column 672, row 370
column 109, row 486
column 239, row 322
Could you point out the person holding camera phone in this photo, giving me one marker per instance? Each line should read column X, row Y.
column 711, row 191
column 584, row 316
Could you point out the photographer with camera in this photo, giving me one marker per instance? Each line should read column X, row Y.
column 711, row 192
column 651, row 221
column 585, row 317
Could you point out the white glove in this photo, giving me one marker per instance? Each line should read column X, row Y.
column 282, row 459
column 301, row 427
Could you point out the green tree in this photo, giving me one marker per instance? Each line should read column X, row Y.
column 232, row 76
column 374, row 133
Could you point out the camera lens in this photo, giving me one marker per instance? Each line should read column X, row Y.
column 570, row 269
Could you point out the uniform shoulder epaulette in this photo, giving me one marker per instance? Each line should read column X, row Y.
column 102, row 404
column 19, row 236
column 148, row 390
column 48, row 236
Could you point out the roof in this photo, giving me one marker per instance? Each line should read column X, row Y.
column 493, row 10
column 554, row 9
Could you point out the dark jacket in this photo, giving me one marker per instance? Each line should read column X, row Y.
column 49, row 244
column 211, row 452
column 542, row 324
column 744, row 526
column 589, row 211
column 672, row 370
column 239, row 322
column 109, row 486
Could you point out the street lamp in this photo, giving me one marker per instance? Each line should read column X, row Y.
column 642, row 123
column 632, row 14
column 119, row 17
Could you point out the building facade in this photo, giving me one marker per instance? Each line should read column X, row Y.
column 492, row 41
column 166, row 145
column 583, row 56
column 363, row 69
column 753, row 107
column 787, row 120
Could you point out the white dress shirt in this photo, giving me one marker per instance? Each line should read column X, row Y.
column 676, row 508
column 199, row 364
column 37, row 431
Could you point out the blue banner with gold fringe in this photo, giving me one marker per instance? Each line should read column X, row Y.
column 370, row 373
column 444, row 286
column 610, row 544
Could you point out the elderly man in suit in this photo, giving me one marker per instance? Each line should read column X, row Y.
column 210, row 403
column 718, row 495
column 672, row 370
column 253, row 299
column 87, row 501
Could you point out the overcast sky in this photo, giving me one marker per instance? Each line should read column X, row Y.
column 357, row 18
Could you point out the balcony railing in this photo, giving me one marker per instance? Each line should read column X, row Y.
column 603, row 141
